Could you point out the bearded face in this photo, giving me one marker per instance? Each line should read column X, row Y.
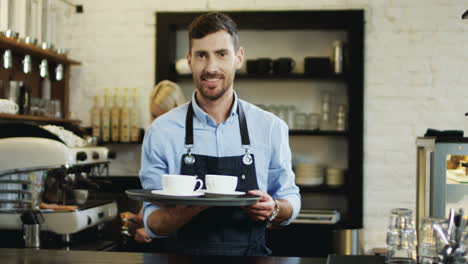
column 214, row 61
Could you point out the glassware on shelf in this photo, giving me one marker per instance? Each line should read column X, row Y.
column 291, row 114
column 341, row 118
column 427, row 240
column 326, row 122
column 401, row 237
column 282, row 112
column 300, row 121
column 313, row 121
column 56, row 108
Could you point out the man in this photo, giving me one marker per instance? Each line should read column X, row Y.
column 218, row 133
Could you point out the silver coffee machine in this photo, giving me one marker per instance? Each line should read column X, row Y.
column 38, row 175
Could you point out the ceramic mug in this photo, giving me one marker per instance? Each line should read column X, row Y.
column 220, row 183
column 7, row 106
column 81, row 196
column 181, row 184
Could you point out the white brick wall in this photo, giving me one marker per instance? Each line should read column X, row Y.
column 415, row 75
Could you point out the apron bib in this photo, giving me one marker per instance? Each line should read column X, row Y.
column 225, row 231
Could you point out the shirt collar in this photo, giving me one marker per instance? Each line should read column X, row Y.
column 205, row 119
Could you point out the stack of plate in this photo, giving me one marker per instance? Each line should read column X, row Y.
column 335, row 177
column 309, row 174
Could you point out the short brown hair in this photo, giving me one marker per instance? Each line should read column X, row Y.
column 210, row 23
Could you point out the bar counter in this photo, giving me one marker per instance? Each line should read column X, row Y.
column 25, row 256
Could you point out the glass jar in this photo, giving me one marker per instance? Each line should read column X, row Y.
column 300, row 121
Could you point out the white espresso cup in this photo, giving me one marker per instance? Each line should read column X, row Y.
column 180, row 184
column 220, row 183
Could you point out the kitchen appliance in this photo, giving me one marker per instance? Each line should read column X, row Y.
column 440, row 162
column 38, row 172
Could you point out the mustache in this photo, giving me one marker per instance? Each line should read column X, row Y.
column 212, row 76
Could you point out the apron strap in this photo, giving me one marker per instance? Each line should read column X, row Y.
column 189, row 126
column 242, row 124
column 244, row 131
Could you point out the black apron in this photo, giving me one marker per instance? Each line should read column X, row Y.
column 227, row 231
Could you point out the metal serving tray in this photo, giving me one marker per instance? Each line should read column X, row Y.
column 147, row 196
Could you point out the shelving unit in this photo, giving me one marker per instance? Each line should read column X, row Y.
column 351, row 22
column 291, row 76
column 39, row 119
column 59, row 89
column 297, row 132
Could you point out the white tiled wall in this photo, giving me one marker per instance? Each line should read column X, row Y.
column 416, row 75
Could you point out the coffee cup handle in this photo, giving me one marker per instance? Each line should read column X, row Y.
column 199, row 187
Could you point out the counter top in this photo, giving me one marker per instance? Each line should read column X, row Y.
column 25, row 256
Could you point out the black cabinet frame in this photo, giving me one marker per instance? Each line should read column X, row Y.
column 351, row 21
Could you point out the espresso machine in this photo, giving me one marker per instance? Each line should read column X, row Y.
column 41, row 176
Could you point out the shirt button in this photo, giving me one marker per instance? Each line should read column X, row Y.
column 243, row 177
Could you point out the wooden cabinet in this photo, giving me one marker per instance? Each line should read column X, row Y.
column 59, row 89
column 349, row 24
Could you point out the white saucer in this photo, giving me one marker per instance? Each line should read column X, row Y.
column 166, row 193
column 216, row 194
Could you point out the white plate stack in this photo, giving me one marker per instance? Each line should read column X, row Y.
column 308, row 174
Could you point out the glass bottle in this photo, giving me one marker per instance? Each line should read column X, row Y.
column 134, row 128
column 96, row 117
column 105, row 115
column 115, row 117
column 125, row 119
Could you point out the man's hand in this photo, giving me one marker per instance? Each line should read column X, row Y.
column 134, row 221
column 262, row 208
column 141, row 236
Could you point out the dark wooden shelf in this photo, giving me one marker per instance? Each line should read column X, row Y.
column 38, row 119
column 122, row 143
column 30, row 49
column 292, row 76
column 322, row 189
column 297, row 132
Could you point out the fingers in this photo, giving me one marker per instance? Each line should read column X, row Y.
column 256, row 215
column 126, row 215
column 141, row 236
column 262, row 208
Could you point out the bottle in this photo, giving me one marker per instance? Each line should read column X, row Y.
column 24, row 99
column 134, row 128
column 96, row 117
column 337, row 57
column 125, row 119
column 105, row 116
column 115, row 117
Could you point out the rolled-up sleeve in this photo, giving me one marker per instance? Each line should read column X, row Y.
column 281, row 178
column 153, row 165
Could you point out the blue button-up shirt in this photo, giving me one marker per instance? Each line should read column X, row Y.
column 163, row 147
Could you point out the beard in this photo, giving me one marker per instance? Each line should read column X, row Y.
column 215, row 92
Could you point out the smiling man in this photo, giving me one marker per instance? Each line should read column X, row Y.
column 218, row 133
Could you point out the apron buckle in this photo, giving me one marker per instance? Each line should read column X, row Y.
column 247, row 159
column 189, row 159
